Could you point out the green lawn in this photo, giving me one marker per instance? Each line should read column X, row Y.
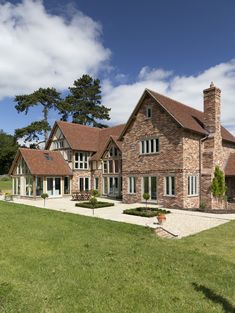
column 5, row 186
column 64, row 263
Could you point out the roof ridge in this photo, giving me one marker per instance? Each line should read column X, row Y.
column 77, row 124
column 185, row 105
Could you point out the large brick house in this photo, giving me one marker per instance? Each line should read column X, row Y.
column 166, row 148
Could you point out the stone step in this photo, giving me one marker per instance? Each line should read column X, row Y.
column 163, row 233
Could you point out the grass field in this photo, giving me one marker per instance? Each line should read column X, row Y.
column 5, row 186
column 64, row 263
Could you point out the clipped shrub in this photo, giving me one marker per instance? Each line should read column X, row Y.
column 99, row 204
column 146, row 197
column 44, row 196
column 142, row 211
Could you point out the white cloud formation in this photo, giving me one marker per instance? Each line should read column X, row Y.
column 38, row 49
column 187, row 89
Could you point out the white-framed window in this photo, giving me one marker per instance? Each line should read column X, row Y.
column 105, row 167
column 81, row 160
column 148, row 111
column 58, row 144
column 193, row 185
column 113, row 151
column 131, row 185
column 170, row 186
column 149, row 146
column 96, row 183
column 84, row 183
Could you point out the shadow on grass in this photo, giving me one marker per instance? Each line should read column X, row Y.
column 211, row 295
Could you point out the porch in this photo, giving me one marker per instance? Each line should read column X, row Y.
column 29, row 186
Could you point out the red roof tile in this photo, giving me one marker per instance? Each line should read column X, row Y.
column 104, row 137
column 186, row 116
column 80, row 137
column 44, row 162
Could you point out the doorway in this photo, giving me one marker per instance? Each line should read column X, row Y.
column 54, row 186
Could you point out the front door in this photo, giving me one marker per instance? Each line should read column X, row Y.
column 149, row 185
column 54, row 186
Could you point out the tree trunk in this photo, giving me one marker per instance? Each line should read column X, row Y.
column 45, row 113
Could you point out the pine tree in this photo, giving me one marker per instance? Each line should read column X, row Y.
column 84, row 102
column 48, row 98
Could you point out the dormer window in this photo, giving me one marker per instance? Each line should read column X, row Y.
column 148, row 112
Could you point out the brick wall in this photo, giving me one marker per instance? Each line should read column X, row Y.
column 169, row 161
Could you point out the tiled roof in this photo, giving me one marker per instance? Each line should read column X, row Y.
column 44, row 162
column 230, row 166
column 85, row 138
column 80, row 137
column 104, row 137
column 186, row 116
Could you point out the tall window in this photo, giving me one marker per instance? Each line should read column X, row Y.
column 84, row 183
column 131, row 185
column 148, row 112
column 149, row 146
column 66, row 185
column 105, row 167
column 96, row 183
column 193, row 185
column 81, row 160
column 170, row 186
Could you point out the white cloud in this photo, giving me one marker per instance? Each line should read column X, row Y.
column 187, row 89
column 38, row 49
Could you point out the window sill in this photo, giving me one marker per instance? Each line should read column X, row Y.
column 170, row 196
column 147, row 154
column 193, row 196
column 81, row 169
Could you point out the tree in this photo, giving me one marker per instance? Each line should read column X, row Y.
column 218, row 186
column 48, row 98
column 33, row 131
column 84, row 102
column 146, row 197
column 8, row 149
column 93, row 200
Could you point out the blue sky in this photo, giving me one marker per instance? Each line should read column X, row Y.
column 174, row 47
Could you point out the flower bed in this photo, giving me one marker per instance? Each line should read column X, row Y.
column 145, row 212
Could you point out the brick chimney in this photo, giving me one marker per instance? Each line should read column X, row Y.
column 212, row 109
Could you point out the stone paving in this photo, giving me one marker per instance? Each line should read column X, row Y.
column 181, row 223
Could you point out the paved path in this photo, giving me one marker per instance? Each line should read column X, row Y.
column 180, row 222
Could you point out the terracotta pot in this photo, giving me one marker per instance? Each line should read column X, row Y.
column 161, row 218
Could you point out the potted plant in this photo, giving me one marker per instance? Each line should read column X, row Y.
column 161, row 217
